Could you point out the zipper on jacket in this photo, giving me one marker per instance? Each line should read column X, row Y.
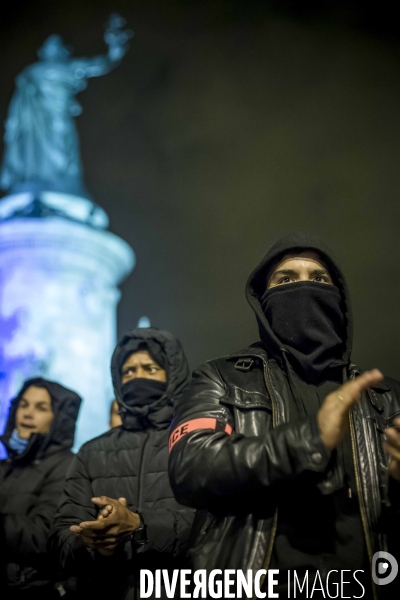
column 361, row 503
column 274, row 424
column 141, row 473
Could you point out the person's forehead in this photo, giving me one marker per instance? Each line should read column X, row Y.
column 138, row 357
column 303, row 259
column 36, row 394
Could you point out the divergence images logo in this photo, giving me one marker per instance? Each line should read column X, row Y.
column 384, row 568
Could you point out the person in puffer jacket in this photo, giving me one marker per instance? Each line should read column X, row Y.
column 118, row 514
column 38, row 438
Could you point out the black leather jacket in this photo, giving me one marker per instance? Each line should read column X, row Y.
column 235, row 478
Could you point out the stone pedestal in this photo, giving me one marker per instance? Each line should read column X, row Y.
column 58, row 299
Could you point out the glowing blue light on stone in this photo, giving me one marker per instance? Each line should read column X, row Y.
column 58, row 300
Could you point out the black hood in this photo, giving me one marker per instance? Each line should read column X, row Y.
column 257, row 284
column 65, row 405
column 166, row 349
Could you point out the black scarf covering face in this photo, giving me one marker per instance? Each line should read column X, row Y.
column 141, row 398
column 142, row 392
column 307, row 319
column 144, row 404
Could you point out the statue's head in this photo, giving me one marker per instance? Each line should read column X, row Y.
column 54, row 50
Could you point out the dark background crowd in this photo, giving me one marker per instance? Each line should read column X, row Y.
column 227, row 124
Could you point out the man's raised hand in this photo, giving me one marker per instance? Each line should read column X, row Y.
column 333, row 416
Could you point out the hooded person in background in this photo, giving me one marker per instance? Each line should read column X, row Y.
column 38, row 438
column 283, row 444
column 118, row 513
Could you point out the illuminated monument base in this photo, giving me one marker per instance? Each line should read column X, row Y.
column 58, row 299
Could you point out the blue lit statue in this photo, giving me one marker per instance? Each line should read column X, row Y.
column 42, row 149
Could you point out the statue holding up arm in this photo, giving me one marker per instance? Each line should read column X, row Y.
column 41, row 140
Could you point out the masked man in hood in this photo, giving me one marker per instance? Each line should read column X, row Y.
column 283, row 444
column 38, row 438
column 118, row 514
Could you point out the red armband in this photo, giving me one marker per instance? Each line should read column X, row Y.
column 202, row 423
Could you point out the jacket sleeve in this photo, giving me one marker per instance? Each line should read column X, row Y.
column 208, row 467
column 25, row 536
column 166, row 530
column 64, row 548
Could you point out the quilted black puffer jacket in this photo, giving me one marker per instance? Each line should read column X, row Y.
column 131, row 462
column 31, row 484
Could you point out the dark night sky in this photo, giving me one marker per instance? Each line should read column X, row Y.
column 227, row 125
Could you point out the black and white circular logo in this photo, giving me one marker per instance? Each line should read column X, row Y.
column 384, row 568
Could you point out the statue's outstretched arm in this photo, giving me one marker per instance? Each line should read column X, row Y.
column 93, row 67
column 117, row 40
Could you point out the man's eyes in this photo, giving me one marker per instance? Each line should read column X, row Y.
column 128, row 371
column 318, row 279
column 150, row 369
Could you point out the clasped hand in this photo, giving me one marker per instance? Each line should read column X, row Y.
column 114, row 525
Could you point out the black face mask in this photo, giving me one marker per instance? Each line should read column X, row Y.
column 142, row 392
column 307, row 319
